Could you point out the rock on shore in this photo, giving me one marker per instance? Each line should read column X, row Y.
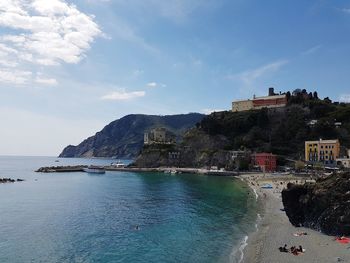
column 9, row 180
column 323, row 206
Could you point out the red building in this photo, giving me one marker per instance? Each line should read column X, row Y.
column 270, row 101
column 266, row 161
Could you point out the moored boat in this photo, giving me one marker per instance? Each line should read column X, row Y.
column 118, row 164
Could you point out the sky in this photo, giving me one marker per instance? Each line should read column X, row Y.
column 69, row 67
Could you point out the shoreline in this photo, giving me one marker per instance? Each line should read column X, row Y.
column 274, row 230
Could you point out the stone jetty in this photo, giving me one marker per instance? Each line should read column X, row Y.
column 174, row 170
column 61, row 169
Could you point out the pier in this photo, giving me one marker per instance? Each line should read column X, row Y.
column 174, row 170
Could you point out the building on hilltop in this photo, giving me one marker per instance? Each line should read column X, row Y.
column 274, row 101
column 242, row 105
column 271, row 101
column 325, row 151
column 266, row 161
column 160, row 136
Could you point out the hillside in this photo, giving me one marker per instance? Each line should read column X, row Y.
column 281, row 131
column 123, row 138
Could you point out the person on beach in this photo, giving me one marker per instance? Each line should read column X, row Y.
column 300, row 249
column 283, row 249
column 294, row 250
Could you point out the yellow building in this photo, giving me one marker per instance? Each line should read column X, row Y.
column 325, row 151
column 242, row 105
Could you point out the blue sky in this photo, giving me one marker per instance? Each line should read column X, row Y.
column 67, row 68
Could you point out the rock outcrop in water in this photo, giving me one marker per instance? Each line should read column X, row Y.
column 323, row 206
column 9, row 180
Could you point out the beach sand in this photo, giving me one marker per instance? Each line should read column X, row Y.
column 274, row 230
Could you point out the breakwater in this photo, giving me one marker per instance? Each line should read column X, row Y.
column 80, row 168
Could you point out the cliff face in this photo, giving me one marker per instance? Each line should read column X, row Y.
column 322, row 206
column 123, row 138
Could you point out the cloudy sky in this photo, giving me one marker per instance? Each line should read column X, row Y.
column 69, row 67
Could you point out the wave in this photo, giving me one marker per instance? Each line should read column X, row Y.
column 256, row 194
column 237, row 254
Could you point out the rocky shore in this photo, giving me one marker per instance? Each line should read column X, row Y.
column 9, row 180
column 275, row 230
column 323, row 206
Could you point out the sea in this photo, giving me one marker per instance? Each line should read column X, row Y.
column 120, row 216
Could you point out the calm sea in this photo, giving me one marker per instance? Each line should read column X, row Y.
column 77, row 217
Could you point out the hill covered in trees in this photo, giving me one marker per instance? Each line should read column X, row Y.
column 281, row 131
column 123, row 138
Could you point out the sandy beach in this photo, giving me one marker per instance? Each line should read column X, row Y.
column 274, row 230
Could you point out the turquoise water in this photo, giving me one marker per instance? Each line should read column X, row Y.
column 77, row 217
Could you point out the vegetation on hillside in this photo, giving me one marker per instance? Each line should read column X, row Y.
column 282, row 131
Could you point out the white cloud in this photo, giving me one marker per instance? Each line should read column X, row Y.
column 46, row 81
column 155, row 84
column 18, row 77
column 43, row 32
column 152, row 84
column 311, row 50
column 249, row 76
column 122, row 94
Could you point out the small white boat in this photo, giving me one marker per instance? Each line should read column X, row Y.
column 95, row 170
column 118, row 164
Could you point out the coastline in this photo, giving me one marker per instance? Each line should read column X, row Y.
column 274, row 230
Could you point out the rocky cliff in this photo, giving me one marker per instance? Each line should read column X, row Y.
column 323, row 206
column 123, row 138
